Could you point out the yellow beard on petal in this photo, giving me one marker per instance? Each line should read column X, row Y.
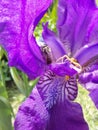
column 67, row 77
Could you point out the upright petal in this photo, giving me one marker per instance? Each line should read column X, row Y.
column 75, row 18
column 53, row 42
column 17, row 22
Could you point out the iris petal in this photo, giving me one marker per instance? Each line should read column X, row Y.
column 17, row 22
column 32, row 114
column 49, row 104
column 85, row 77
column 89, row 77
column 55, row 89
column 94, row 96
column 74, row 19
column 94, row 67
column 63, row 115
column 95, row 77
column 93, row 91
column 67, row 116
column 89, row 80
column 53, row 42
column 92, row 30
column 87, row 54
column 62, row 69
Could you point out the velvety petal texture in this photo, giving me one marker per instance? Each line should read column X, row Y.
column 49, row 106
column 67, row 116
column 77, row 23
column 17, row 22
column 60, row 62
column 32, row 114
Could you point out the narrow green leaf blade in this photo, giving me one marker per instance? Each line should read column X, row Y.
column 5, row 115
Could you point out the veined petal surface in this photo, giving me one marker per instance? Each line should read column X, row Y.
column 53, row 88
column 77, row 23
column 49, row 107
column 17, row 22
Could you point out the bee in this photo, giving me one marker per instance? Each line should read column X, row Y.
column 46, row 52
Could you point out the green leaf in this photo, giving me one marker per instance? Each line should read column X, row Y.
column 32, row 83
column 1, row 52
column 3, row 91
column 23, row 84
column 5, row 114
column 18, row 80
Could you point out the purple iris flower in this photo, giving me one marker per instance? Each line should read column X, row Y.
column 62, row 61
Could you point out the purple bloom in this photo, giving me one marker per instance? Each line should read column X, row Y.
column 62, row 61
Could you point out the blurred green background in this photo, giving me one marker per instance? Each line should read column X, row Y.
column 15, row 85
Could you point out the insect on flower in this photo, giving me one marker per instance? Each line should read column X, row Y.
column 46, row 52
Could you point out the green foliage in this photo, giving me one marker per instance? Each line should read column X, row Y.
column 6, row 110
column 50, row 17
column 11, row 75
column 22, row 82
column 5, row 115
